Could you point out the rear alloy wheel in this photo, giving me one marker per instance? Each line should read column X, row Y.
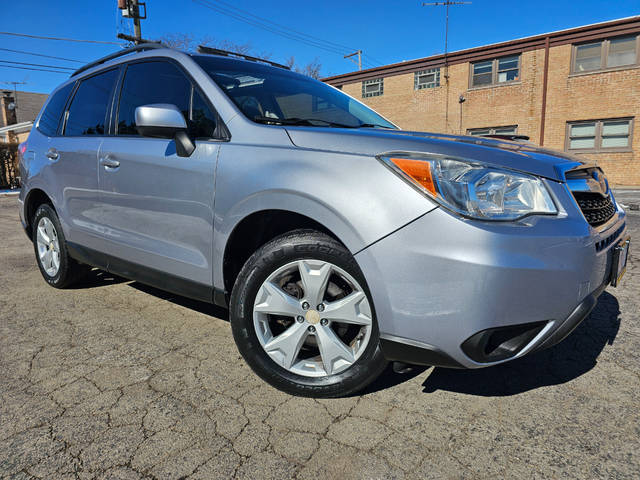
column 302, row 317
column 56, row 266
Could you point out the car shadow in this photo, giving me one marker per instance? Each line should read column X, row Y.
column 201, row 307
column 571, row 358
column 97, row 278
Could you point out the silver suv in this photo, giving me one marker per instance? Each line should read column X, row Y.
column 337, row 241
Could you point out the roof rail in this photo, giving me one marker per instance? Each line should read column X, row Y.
column 227, row 53
column 137, row 48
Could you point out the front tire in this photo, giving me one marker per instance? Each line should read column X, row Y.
column 56, row 266
column 302, row 317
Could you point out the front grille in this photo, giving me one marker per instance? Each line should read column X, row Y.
column 596, row 208
column 602, row 244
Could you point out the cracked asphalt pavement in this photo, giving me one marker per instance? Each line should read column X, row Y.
column 117, row 380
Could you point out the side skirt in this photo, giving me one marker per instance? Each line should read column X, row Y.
column 148, row 276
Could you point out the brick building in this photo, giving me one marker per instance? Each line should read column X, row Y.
column 576, row 90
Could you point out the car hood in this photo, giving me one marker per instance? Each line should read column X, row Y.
column 369, row 141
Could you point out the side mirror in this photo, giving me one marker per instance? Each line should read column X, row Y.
column 162, row 120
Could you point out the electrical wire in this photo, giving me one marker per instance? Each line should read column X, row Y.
column 41, row 55
column 38, row 65
column 276, row 28
column 283, row 27
column 34, row 69
column 26, row 35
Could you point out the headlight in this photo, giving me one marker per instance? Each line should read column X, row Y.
column 474, row 189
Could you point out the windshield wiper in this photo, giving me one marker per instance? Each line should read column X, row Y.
column 301, row 121
column 374, row 125
column 280, row 121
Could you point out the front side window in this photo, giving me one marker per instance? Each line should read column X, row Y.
column 276, row 96
column 372, row 88
column 610, row 53
column 147, row 83
column 88, row 110
column 50, row 118
column 599, row 135
column 427, row 79
column 151, row 82
column 496, row 71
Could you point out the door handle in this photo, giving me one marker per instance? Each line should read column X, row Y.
column 52, row 154
column 109, row 163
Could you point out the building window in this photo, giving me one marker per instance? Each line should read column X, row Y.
column 600, row 135
column 426, row 79
column 372, row 88
column 485, row 132
column 610, row 53
column 496, row 71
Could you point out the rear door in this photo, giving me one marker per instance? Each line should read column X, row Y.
column 73, row 156
column 156, row 208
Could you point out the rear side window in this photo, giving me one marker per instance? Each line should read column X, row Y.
column 51, row 115
column 147, row 83
column 88, row 110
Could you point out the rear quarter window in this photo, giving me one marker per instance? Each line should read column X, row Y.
column 50, row 119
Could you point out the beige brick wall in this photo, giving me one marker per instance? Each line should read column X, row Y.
column 569, row 98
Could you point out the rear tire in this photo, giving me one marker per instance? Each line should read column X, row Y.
column 56, row 266
column 328, row 349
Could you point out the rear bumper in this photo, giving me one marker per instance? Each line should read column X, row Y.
column 460, row 293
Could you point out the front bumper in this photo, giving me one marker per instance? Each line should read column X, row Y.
column 442, row 281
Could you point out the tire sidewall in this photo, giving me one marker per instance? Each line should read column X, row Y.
column 60, row 278
column 300, row 245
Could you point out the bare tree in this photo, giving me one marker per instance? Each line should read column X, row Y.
column 186, row 41
column 311, row 69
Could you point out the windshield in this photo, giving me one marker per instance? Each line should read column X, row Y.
column 277, row 96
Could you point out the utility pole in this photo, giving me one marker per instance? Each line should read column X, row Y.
column 446, row 4
column 359, row 62
column 131, row 9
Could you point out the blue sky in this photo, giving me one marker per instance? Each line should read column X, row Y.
column 387, row 31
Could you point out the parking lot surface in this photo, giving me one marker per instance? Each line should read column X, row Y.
column 117, row 380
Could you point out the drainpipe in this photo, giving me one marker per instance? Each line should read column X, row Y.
column 545, row 80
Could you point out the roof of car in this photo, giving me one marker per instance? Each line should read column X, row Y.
column 202, row 50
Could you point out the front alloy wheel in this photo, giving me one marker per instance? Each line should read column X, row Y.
column 302, row 317
column 312, row 318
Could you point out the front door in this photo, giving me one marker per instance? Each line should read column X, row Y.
column 156, row 207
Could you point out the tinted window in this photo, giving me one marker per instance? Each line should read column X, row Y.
column 203, row 121
column 147, row 83
column 50, row 118
column 88, row 110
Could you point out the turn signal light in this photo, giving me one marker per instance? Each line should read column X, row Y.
column 419, row 171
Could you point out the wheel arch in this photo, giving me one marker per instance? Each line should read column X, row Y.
column 33, row 200
column 258, row 228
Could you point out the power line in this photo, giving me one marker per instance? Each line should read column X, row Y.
column 41, row 55
column 283, row 27
column 34, row 69
column 26, row 35
column 261, row 25
column 37, row 65
column 273, row 27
